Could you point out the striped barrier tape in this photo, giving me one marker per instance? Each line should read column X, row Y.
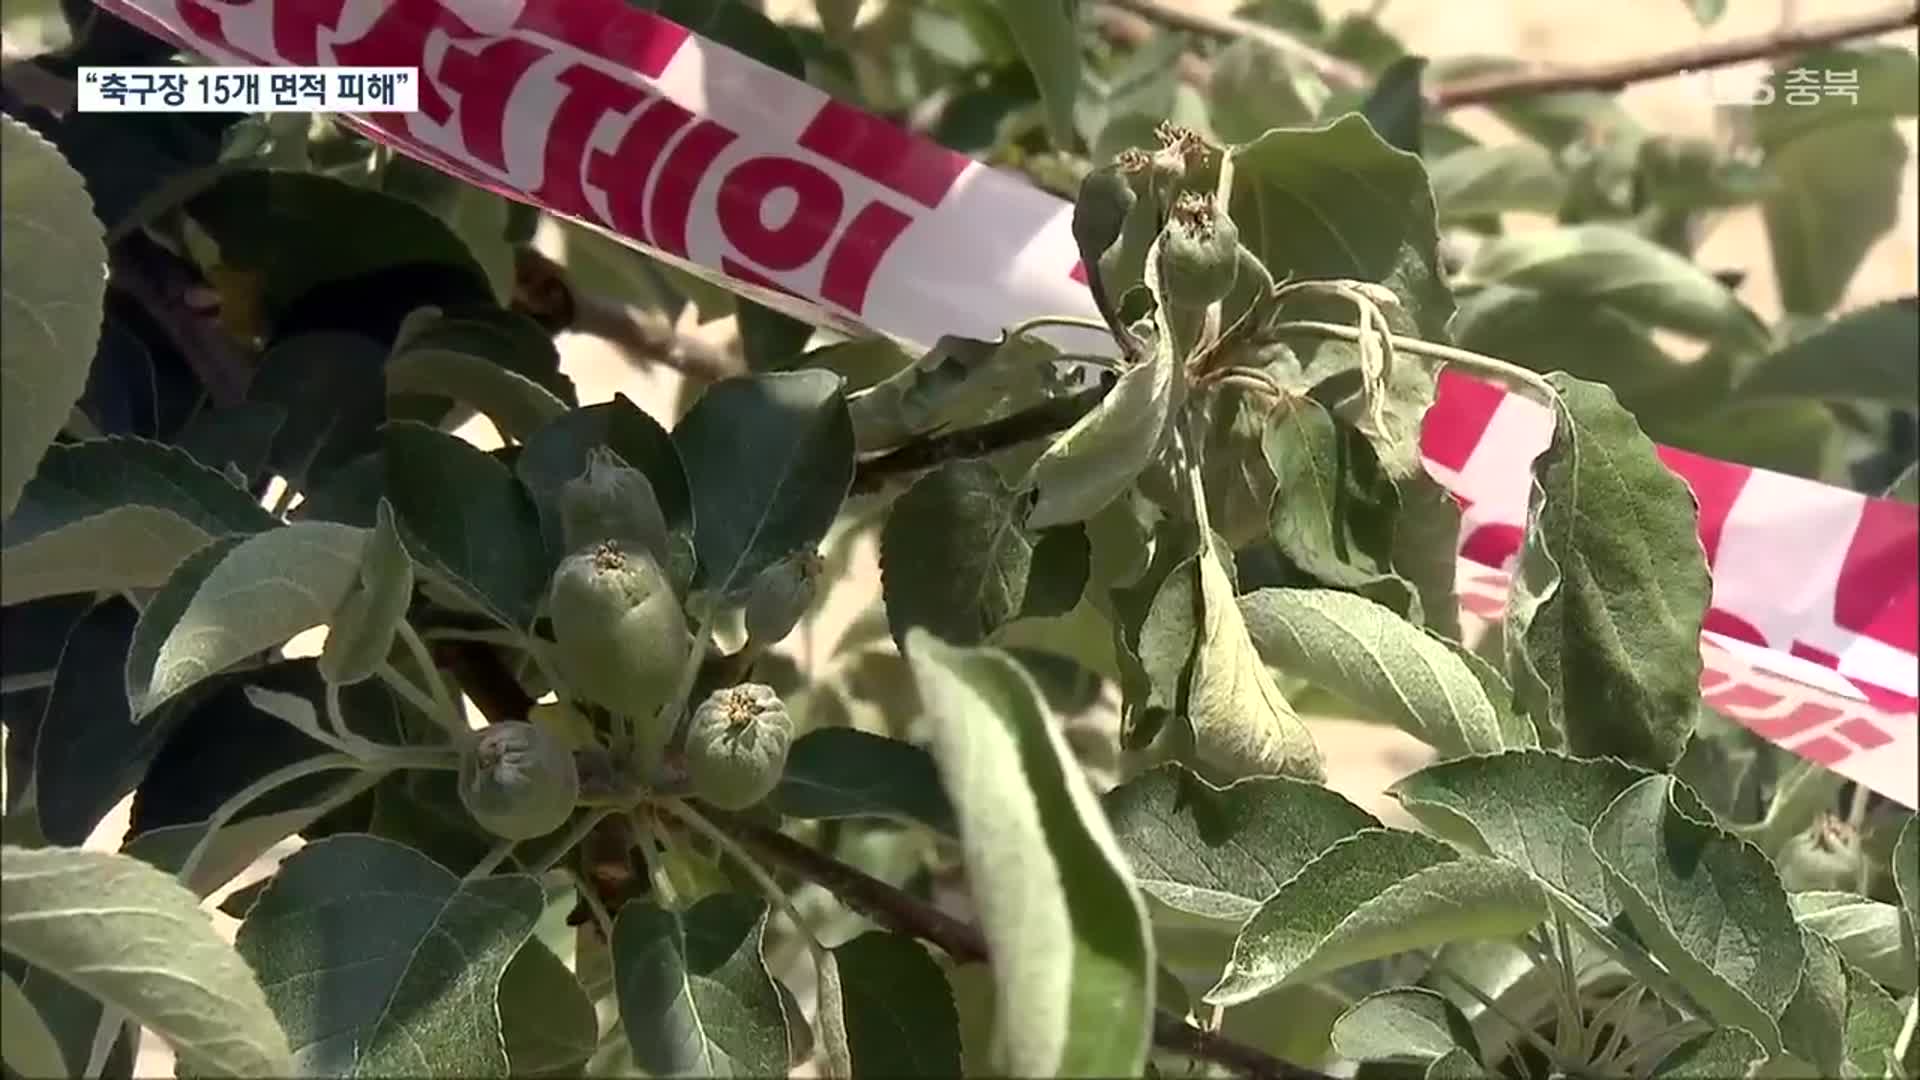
column 619, row 119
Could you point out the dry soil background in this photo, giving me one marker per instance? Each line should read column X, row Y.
column 1364, row 759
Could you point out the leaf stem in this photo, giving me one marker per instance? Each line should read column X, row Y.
column 1499, row 369
column 27, row 680
column 893, row 908
column 421, row 700
column 582, row 825
column 232, row 807
column 1551, row 1052
column 1076, row 322
column 443, row 702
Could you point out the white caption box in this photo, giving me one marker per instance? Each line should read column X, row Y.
column 249, row 89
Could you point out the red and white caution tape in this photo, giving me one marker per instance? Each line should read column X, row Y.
column 613, row 116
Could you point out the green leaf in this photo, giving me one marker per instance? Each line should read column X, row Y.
column 1477, row 181
column 491, row 364
column 26, row 1046
column 477, row 216
column 1242, row 723
column 1551, row 332
column 1335, row 508
column 1861, row 356
column 1614, row 268
column 1725, row 1052
column 1337, row 202
column 769, row 458
column 957, row 558
column 1867, row 933
column 954, row 383
column 413, row 991
column 237, row 597
column 466, row 521
column 901, row 1018
column 72, row 1015
column 1535, row 809
column 1065, row 927
column 1813, row 1025
column 1254, row 89
column 1838, row 191
column 1047, row 35
column 695, row 997
column 1873, row 1023
column 1603, row 622
column 233, row 440
column 736, row 25
column 331, row 386
column 845, row 772
column 53, row 278
column 1378, row 661
column 558, row 453
column 1401, row 1024
column 1217, row 852
column 1097, row 459
column 1395, row 106
column 546, row 1017
column 134, row 938
column 283, row 231
column 1376, row 893
column 1707, row 904
column 117, row 513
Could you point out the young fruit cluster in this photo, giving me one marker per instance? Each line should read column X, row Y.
column 1199, row 253
column 519, row 781
column 737, row 745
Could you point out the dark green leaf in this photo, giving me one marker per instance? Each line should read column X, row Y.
column 466, row 521
column 499, row 362
column 736, row 25
column 1813, row 1025
column 1707, row 904
column 901, row 1019
column 546, row 1017
column 1862, row 356
column 844, row 772
column 695, row 997
column 331, row 385
column 1065, row 928
column 1388, row 667
column 770, row 340
column 1727, row 1051
column 558, row 453
column 1337, row 202
column 1873, row 1023
column 1395, row 107
column 769, row 459
column 72, row 1016
column 1603, row 621
column 1374, row 894
column 1906, row 881
column 1549, row 332
column 957, row 557
column 239, row 438
column 1609, row 266
column 413, row 991
column 283, row 230
column 117, row 513
column 88, row 755
column 1707, row 12
column 234, row 598
column 1218, row 852
column 54, row 272
column 1887, row 75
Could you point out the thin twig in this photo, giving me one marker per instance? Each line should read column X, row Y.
column 544, row 290
column 933, row 450
column 893, row 908
column 1613, row 76
column 1480, row 90
column 1334, row 70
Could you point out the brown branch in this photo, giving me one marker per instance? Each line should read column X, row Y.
column 925, row 453
column 484, row 677
column 890, row 907
column 1614, row 76
column 1121, row 23
column 543, row 291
